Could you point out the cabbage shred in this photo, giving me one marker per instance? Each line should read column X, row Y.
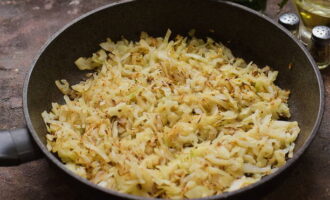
column 179, row 118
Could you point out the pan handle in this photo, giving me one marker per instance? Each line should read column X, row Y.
column 17, row 146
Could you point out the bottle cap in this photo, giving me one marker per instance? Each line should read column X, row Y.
column 289, row 20
column 321, row 34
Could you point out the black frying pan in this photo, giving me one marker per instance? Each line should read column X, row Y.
column 249, row 35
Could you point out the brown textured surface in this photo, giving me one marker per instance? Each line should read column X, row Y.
column 25, row 25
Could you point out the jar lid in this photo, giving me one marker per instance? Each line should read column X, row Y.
column 289, row 20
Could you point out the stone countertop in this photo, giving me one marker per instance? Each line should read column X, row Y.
column 25, row 25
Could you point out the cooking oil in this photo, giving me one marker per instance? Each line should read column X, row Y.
column 312, row 13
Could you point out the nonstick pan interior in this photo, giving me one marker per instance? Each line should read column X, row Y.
column 249, row 35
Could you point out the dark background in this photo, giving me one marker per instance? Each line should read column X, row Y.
column 25, row 25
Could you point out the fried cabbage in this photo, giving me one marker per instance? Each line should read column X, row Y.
column 171, row 118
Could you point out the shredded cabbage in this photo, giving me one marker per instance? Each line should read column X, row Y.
column 179, row 118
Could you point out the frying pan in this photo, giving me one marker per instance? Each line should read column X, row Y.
column 248, row 34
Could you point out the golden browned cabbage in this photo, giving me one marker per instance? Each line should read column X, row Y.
column 175, row 119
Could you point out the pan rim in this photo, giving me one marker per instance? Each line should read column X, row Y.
column 225, row 195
